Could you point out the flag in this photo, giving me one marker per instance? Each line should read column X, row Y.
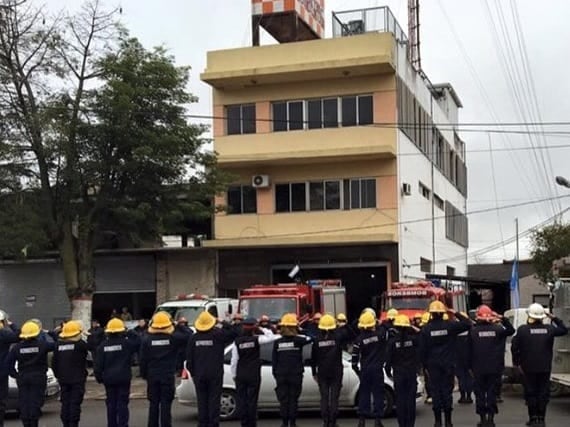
column 515, row 295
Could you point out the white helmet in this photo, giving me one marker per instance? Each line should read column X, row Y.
column 536, row 311
column 369, row 310
column 3, row 315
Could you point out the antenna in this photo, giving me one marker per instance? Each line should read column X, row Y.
column 414, row 34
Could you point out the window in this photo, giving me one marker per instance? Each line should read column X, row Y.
column 290, row 197
column 424, row 191
column 332, row 195
column 315, row 114
column 456, row 225
column 288, row 115
column 365, row 110
column 362, row 193
column 330, row 112
column 316, row 196
column 425, row 265
column 240, row 119
column 450, row 271
column 349, row 111
column 280, row 117
column 242, row 199
column 296, row 119
column 438, row 201
column 357, row 110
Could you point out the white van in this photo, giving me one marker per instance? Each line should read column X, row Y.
column 190, row 306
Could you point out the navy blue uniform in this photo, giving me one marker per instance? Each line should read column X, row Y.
column 157, row 366
column 31, row 377
column 439, row 357
column 113, row 369
column 205, row 362
column 8, row 336
column 288, row 369
column 402, row 362
column 69, row 366
column 532, row 350
column 369, row 350
column 327, row 367
column 464, row 378
column 487, row 361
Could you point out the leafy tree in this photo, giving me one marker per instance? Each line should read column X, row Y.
column 549, row 244
column 97, row 124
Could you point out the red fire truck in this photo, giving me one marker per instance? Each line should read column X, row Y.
column 412, row 298
column 304, row 299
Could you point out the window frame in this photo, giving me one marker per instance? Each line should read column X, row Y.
column 241, row 119
column 241, row 191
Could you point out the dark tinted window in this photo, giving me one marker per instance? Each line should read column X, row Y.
column 355, row 194
column 249, row 195
column 234, row 200
column 349, row 111
column 365, row 113
column 280, row 116
column 332, row 194
column 233, row 114
column 296, row 115
column 330, row 108
column 282, row 198
column 315, row 114
column 248, row 119
column 316, row 196
column 298, row 197
column 368, row 193
column 228, row 357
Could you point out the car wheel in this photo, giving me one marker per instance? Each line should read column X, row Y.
column 388, row 402
column 556, row 389
column 228, row 405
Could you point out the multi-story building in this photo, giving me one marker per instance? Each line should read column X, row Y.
column 346, row 161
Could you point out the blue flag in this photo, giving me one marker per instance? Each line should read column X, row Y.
column 515, row 295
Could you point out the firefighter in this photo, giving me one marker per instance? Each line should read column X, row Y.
column 8, row 336
column 183, row 329
column 31, row 357
column 368, row 357
column 390, row 317
column 69, row 366
column 287, row 367
column 463, row 368
column 532, row 353
column 311, row 326
column 438, row 356
column 341, row 320
column 402, row 362
column 426, row 317
column 205, row 362
column 265, row 323
column 326, row 365
column 159, row 349
column 246, row 369
column 113, row 369
column 486, row 343
column 417, row 320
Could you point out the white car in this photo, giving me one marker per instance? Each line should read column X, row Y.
column 310, row 397
column 52, row 391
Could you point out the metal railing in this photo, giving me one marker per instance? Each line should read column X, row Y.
column 373, row 19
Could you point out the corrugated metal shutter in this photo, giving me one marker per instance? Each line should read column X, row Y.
column 132, row 273
column 39, row 284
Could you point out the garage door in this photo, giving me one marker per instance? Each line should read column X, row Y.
column 125, row 274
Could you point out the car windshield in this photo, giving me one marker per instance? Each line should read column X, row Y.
column 272, row 307
column 190, row 313
column 420, row 304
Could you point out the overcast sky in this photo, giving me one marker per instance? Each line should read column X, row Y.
column 464, row 43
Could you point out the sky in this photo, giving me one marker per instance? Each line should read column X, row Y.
column 507, row 61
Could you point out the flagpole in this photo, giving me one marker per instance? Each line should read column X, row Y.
column 517, row 234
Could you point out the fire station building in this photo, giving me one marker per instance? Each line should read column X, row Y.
column 346, row 158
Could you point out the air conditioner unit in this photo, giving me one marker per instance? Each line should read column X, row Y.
column 406, row 189
column 260, row 181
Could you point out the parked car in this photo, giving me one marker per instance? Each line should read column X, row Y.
column 310, row 398
column 52, row 391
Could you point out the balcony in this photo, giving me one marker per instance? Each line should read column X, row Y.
column 307, row 146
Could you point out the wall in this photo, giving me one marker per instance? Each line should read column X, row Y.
column 185, row 272
column 529, row 286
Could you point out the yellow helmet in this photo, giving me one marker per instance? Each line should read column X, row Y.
column 437, row 307
column 70, row 329
column 418, row 315
column 161, row 320
column 30, row 330
column 402, row 320
column 341, row 317
column 115, row 326
column 445, row 316
column 367, row 320
column 204, row 322
column 327, row 323
column 392, row 313
column 289, row 319
column 425, row 318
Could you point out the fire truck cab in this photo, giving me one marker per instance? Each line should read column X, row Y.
column 304, row 299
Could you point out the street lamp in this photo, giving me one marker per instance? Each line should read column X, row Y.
column 560, row 180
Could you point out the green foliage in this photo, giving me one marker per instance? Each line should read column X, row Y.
column 549, row 244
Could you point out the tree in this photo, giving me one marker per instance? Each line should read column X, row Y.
column 549, row 244
column 98, row 125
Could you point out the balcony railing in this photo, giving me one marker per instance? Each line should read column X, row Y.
column 360, row 21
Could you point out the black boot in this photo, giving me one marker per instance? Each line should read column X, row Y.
column 437, row 418
column 284, row 422
column 468, row 398
column 482, row 421
column 362, row 422
column 462, row 398
column 292, row 422
column 378, row 423
column 491, row 420
column 448, row 422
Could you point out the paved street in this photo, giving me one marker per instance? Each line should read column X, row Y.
column 513, row 414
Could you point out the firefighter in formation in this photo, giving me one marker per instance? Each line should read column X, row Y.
column 398, row 346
